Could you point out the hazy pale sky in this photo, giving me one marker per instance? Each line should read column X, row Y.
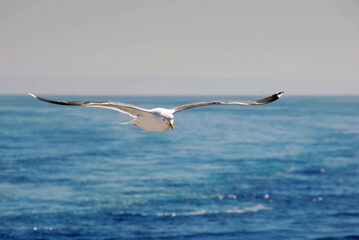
column 179, row 47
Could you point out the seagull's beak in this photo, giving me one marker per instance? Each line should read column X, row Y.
column 170, row 124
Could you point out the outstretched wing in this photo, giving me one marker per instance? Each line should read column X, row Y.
column 205, row 103
column 129, row 109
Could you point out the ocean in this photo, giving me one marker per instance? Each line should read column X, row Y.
column 285, row 170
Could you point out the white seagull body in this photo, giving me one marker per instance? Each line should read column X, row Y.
column 156, row 119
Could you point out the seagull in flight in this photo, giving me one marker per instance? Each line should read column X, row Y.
column 156, row 119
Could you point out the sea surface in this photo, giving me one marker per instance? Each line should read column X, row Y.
column 285, row 170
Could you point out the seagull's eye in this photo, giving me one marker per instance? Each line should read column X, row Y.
column 163, row 119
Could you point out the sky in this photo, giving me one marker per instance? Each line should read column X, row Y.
column 192, row 47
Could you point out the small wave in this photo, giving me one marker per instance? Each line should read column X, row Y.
column 195, row 213
column 349, row 237
column 346, row 214
column 292, row 169
column 248, row 209
column 234, row 210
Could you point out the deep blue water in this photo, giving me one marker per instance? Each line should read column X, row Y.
column 286, row 170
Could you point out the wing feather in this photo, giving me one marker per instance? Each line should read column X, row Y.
column 219, row 102
column 132, row 110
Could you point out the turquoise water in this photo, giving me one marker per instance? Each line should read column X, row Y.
column 286, row 170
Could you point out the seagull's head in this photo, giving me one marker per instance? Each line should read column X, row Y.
column 168, row 122
column 165, row 115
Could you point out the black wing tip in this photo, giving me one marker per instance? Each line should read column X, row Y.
column 53, row 101
column 280, row 94
column 32, row 95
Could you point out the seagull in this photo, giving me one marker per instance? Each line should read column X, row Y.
column 156, row 119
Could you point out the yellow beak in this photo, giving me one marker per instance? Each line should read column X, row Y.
column 171, row 126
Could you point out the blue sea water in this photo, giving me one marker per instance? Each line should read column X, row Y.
column 286, row 170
